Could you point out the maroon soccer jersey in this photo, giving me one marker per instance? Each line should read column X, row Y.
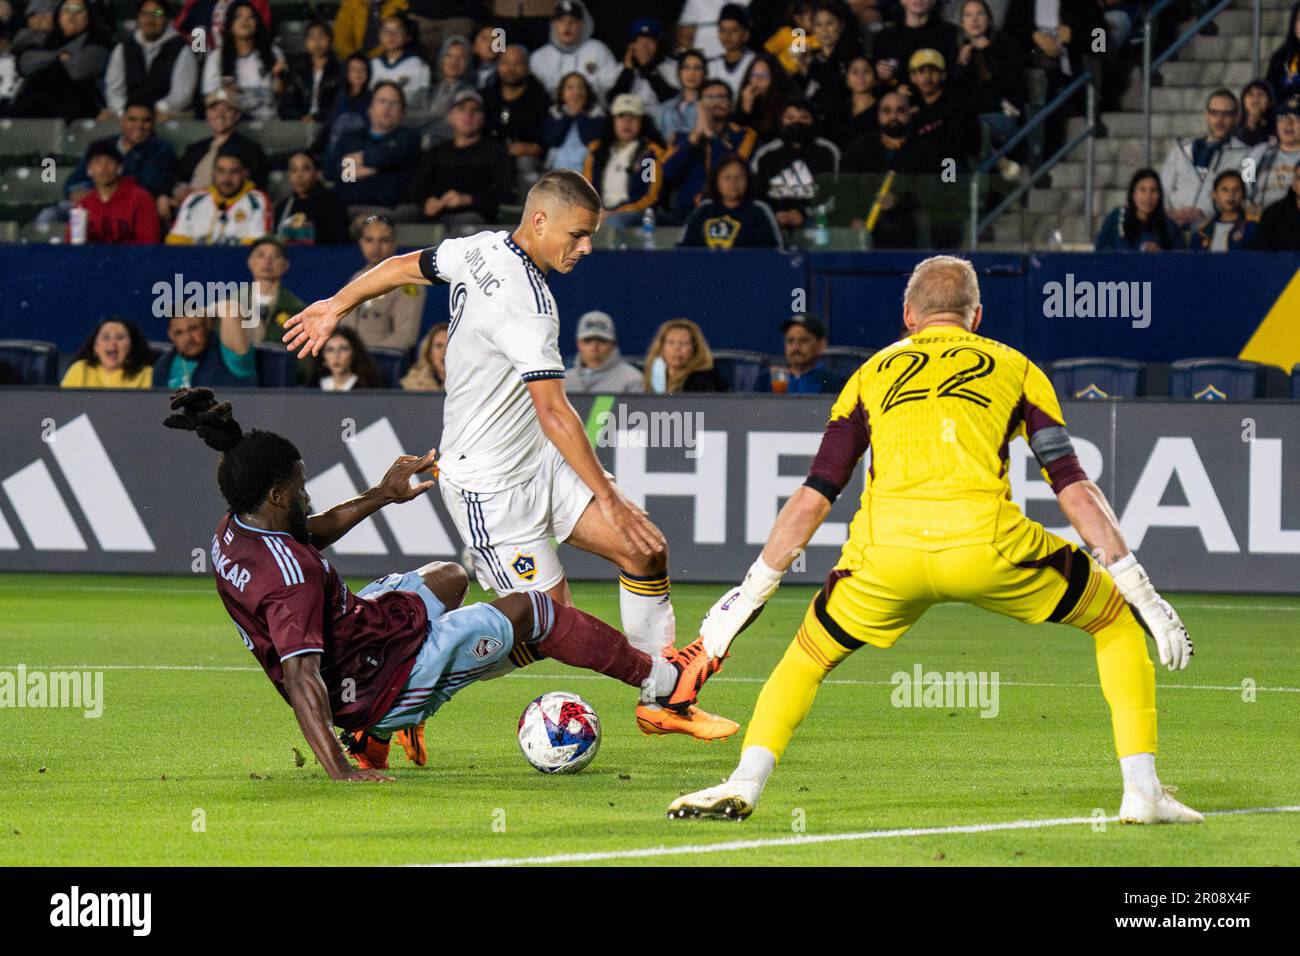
column 286, row 600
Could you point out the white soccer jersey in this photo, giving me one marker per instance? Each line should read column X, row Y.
column 504, row 332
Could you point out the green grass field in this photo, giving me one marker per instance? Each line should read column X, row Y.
column 192, row 731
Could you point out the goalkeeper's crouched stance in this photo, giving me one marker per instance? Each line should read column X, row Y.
column 936, row 524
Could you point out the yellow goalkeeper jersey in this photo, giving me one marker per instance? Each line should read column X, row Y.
column 937, row 410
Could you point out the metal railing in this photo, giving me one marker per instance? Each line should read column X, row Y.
column 978, row 225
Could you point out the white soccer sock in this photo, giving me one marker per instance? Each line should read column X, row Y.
column 1139, row 772
column 756, row 765
column 646, row 608
column 662, row 680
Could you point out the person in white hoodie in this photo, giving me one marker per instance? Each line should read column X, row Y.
column 1190, row 168
column 138, row 67
column 572, row 49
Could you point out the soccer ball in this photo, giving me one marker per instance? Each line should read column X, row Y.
column 559, row 733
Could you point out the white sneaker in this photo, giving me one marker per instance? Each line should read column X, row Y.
column 1137, row 807
column 731, row 800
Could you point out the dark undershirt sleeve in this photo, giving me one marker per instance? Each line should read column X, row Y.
column 843, row 444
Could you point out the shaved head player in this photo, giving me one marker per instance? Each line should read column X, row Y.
column 518, row 472
column 936, row 523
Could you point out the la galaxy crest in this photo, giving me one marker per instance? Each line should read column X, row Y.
column 525, row 565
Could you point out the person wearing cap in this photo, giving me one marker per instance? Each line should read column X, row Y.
column 920, row 29
column 786, row 169
column 598, row 366
column 1276, row 161
column 572, row 49
column 805, row 341
column 229, row 212
column 515, row 105
column 692, row 156
column 646, row 73
column 153, row 63
column 624, row 164
column 1279, row 227
column 464, row 179
column 1191, row 166
column 117, row 210
column 733, row 62
column 194, row 171
column 944, row 119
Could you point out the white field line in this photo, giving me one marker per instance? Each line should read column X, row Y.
column 731, row 846
column 517, row 675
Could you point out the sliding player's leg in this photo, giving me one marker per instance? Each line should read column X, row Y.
column 872, row 606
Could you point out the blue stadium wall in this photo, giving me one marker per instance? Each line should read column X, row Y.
column 1201, row 305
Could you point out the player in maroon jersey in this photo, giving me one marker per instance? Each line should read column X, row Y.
column 385, row 659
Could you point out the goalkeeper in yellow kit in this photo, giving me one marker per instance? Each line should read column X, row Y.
column 936, row 523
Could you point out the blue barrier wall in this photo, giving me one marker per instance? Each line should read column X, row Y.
column 1200, row 304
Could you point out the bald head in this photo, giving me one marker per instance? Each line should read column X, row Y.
column 942, row 289
column 512, row 67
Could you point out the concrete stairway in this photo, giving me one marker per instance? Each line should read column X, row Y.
column 1201, row 67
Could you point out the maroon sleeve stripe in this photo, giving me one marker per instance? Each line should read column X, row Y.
column 844, row 443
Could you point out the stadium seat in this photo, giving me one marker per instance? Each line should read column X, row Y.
column 42, row 232
column 277, row 185
column 79, row 134
column 843, row 360
column 290, row 35
column 393, row 363
column 28, row 185
column 1216, row 379
column 180, row 133
column 24, row 141
column 420, row 235
column 281, row 137
column 276, row 367
column 744, row 371
column 9, row 231
column 1092, row 378
column 37, row 363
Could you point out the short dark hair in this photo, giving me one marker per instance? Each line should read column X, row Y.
column 232, row 151
column 1223, row 91
column 567, row 187
column 306, row 154
column 104, row 147
column 269, row 241
column 1229, row 174
column 401, row 96
column 714, row 81
column 319, row 24
column 166, row 6
column 140, row 103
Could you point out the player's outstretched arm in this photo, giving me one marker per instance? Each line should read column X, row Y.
column 397, row 486
column 1091, row 515
column 309, row 330
column 311, row 705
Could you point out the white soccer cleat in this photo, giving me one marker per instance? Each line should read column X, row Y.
column 730, row 800
column 1137, row 807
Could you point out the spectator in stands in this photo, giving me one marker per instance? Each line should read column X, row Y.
column 729, row 218
column 1276, row 160
column 764, row 90
column 792, row 50
column 837, row 45
column 854, row 115
column 1140, row 225
column 464, row 179
column 146, row 158
column 733, row 62
column 210, row 16
column 10, row 80
column 344, row 364
column 350, row 105
column 941, row 117
column 313, row 80
column 680, row 360
column 399, row 64
column 624, row 164
column 677, row 115
column 436, row 20
column 247, row 62
column 697, row 27
column 893, row 148
column 919, row 29
column 311, row 214
column 1279, row 227
column 153, row 64
column 646, row 73
column 1257, row 122
column 805, row 341
column 392, row 320
column 1231, row 228
column 573, row 123
column 451, row 69
column 988, row 70
column 117, row 210
column 429, row 373
column 373, row 166
column 692, row 155
column 486, row 54
column 194, row 171
column 1190, row 168
column 115, row 355
column 61, row 69
column 785, row 169
column 598, row 366
column 572, row 49
column 357, row 25
column 232, row 211
column 516, row 105
column 199, row 358
column 1283, row 73
column 267, row 264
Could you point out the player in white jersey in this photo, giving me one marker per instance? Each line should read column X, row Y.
column 517, row 470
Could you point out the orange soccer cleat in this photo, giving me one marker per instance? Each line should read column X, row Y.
column 412, row 741
column 676, row 713
column 368, row 751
